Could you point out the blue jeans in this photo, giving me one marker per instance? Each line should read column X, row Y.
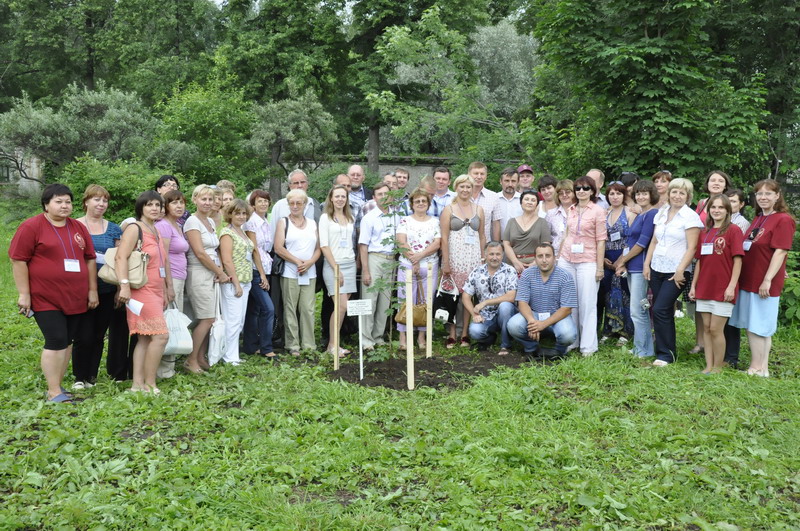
column 642, row 327
column 564, row 331
column 259, row 321
column 665, row 293
column 485, row 333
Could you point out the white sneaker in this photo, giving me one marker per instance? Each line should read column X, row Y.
column 88, row 385
column 679, row 314
column 77, row 386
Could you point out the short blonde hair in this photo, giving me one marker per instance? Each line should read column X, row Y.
column 682, row 184
column 201, row 190
column 234, row 206
column 297, row 194
column 463, row 178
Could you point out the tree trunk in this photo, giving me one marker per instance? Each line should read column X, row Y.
column 373, row 146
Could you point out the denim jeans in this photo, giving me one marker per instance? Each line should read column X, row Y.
column 642, row 327
column 259, row 321
column 564, row 331
column 485, row 333
column 665, row 293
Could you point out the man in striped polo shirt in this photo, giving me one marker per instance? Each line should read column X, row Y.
column 546, row 295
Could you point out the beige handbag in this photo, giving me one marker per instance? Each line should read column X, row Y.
column 420, row 310
column 137, row 266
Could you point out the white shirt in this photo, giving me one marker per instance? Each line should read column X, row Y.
column 281, row 210
column 376, row 227
column 337, row 238
column 263, row 231
column 301, row 243
column 209, row 240
column 487, row 200
column 440, row 201
column 508, row 209
column 671, row 237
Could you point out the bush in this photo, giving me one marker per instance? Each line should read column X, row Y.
column 790, row 296
column 123, row 180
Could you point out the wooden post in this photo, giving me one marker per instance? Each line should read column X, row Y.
column 410, row 329
column 429, row 315
column 337, row 324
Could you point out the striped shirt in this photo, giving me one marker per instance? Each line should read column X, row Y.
column 547, row 297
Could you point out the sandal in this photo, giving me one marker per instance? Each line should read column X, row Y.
column 61, row 398
column 503, row 352
column 465, row 342
column 295, row 353
column 451, row 342
column 193, row 371
column 696, row 350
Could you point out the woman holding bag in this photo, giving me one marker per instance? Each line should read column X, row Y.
column 146, row 304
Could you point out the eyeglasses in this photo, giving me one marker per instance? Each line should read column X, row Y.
column 583, row 188
column 565, row 192
column 616, row 182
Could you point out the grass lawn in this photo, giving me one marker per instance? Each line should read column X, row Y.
column 605, row 441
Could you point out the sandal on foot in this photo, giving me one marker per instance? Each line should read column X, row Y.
column 198, row 370
column 503, row 352
column 61, row 398
column 696, row 350
column 451, row 342
column 465, row 342
column 295, row 353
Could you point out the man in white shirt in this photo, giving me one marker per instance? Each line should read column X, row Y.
column 377, row 249
column 508, row 205
column 486, row 199
column 599, row 179
column 359, row 194
column 442, row 195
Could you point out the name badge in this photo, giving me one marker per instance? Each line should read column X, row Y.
column 302, row 280
column 162, row 272
column 101, row 258
column 343, row 244
column 661, row 250
column 746, row 244
column 615, row 236
column 543, row 315
column 71, row 265
column 577, row 248
column 707, row 248
column 472, row 236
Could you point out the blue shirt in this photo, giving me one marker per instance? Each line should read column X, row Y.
column 640, row 234
column 547, row 297
column 102, row 243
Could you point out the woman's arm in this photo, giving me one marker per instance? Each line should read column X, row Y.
column 601, row 258
column 22, row 280
column 775, row 264
column 482, row 233
column 694, row 280
column 649, row 257
column 730, row 291
column 196, row 245
column 280, row 243
column 692, row 235
column 226, row 257
column 512, row 256
column 126, row 245
column 169, row 290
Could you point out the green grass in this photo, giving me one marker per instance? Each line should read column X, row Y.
column 599, row 442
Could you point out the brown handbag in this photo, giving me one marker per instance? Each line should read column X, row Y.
column 420, row 310
column 137, row 266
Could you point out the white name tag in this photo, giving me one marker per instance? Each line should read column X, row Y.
column 661, row 250
column 472, row 236
column 615, row 236
column 71, row 265
column 101, row 258
column 577, row 248
column 343, row 243
column 746, row 244
column 162, row 272
column 707, row 248
column 302, row 280
column 543, row 315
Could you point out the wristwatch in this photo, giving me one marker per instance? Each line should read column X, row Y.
column 124, row 281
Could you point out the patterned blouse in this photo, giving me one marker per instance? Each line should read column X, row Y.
column 489, row 287
column 242, row 254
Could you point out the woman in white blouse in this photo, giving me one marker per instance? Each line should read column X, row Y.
column 336, row 243
column 669, row 257
column 259, row 322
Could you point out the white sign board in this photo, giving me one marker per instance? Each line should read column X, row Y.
column 359, row 307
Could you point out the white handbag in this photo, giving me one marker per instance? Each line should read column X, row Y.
column 216, row 340
column 180, row 339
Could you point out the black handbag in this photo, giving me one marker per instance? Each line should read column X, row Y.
column 278, row 263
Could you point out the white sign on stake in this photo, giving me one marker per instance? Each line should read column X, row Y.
column 360, row 307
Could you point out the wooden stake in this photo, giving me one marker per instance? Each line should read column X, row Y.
column 429, row 315
column 337, row 324
column 410, row 329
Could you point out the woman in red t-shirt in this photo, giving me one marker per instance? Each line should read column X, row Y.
column 53, row 260
column 766, row 246
column 716, row 276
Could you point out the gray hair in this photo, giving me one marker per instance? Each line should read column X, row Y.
column 295, row 171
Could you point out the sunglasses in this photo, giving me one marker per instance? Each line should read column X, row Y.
column 583, row 188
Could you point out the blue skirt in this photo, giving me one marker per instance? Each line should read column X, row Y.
column 757, row 315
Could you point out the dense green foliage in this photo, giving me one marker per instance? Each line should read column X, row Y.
column 593, row 442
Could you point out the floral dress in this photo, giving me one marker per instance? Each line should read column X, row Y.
column 465, row 250
column 617, row 294
column 419, row 235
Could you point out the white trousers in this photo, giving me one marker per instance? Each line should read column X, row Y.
column 585, row 315
column 233, row 310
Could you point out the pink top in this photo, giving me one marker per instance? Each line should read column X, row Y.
column 587, row 228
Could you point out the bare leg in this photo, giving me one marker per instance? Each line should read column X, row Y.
column 709, row 350
column 699, row 335
column 402, row 339
column 717, row 341
column 152, row 358
column 759, row 352
column 142, row 343
column 343, row 298
column 196, row 359
column 54, row 366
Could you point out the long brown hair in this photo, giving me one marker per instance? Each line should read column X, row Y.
column 725, row 222
column 330, row 210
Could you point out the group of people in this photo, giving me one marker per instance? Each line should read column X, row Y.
column 547, row 257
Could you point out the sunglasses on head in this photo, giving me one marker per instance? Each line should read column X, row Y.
column 583, row 188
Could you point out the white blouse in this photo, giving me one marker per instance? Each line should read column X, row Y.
column 671, row 237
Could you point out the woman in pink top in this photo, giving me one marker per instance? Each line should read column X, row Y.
column 581, row 254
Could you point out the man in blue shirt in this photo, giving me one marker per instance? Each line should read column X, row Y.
column 546, row 295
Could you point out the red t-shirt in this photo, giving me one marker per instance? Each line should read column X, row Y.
column 44, row 247
column 772, row 232
column 716, row 268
